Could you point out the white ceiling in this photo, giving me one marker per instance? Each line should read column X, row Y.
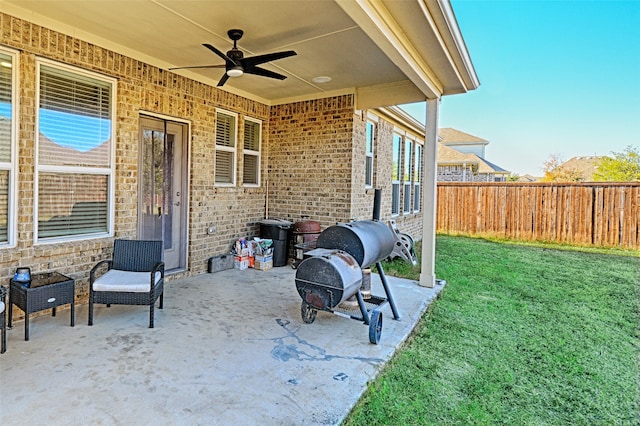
column 391, row 52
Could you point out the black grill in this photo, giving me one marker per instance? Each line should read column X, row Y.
column 331, row 274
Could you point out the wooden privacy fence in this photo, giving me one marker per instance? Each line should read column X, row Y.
column 598, row 214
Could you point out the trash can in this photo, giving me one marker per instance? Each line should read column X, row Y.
column 277, row 230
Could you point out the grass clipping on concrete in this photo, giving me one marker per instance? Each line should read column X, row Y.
column 519, row 335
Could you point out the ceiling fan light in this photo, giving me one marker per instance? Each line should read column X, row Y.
column 235, row 71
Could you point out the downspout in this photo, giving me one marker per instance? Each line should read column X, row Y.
column 429, row 194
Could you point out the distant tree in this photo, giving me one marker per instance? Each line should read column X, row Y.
column 554, row 172
column 623, row 167
column 513, row 177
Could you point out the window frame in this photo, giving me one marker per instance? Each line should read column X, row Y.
column 252, row 153
column 221, row 148
column 12, row 167
column 417, row 177
column 407, row 175
column 395, row 183
column 370, row 142
column 65, row 170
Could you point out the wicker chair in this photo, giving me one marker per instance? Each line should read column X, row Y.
column 3, row 324
column 135, row 276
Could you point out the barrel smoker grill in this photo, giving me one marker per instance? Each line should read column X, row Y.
column 332, row 273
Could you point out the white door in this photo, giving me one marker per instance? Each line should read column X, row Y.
column 162, row 203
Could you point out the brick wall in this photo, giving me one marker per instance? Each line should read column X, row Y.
column 384, row 166
column 310, row 160
column 454, row 173
column 140, row 87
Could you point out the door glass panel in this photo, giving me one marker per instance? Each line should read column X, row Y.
column 168, row 191
column 152, row 184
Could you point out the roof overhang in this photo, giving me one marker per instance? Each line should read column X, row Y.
column 387, row 52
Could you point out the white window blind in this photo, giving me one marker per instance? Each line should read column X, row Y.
column 251, row 136
column 74, row 153
column 252, row 141
column 395, row 199
column 417, row 178
column 406, row 170
column 395, row 175
column 71, row 204
column 7, row 72
column 6, row 106
column 251, row 167
column 225, row 149
column 224, row 167
column 370, row 137
column 225, row 130
column 74, row 119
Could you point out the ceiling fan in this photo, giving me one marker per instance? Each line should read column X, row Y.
column 236, row 64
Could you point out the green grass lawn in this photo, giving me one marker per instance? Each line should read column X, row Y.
column 519, row 335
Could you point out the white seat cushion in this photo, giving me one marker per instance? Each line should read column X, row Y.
column 117, row 280
column 1, row 307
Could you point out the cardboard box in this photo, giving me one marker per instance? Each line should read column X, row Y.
column 264, row 263
column 264, row 266
column 241, row 262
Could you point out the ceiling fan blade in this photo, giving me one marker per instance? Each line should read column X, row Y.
column 261, row 59
column 219, row 53
column 197, row 66
column 264, row 73
column 223, row 80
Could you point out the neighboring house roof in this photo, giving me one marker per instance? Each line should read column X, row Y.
column 449, row 157
column 528, row 178
column 450, row 136
column 494, row 168
column 585, row 167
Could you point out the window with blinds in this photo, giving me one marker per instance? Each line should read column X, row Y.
column 74, row 171
column 395, row 175
column 251, row 153
column 417, row 177
column 225, row 165
column 7, row 105
column 406, row 170
column 370, row 138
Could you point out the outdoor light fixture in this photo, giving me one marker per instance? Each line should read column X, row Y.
column 235, row 71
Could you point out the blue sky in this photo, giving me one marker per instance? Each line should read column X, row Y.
column 556, row 77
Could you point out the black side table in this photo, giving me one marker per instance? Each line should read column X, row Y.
column 46, row 290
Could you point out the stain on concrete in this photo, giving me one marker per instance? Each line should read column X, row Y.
column 290, row 347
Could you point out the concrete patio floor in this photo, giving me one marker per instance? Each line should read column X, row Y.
column 229, row 348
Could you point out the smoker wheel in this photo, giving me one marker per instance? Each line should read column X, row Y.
column 308, row 313
column 375, row 326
